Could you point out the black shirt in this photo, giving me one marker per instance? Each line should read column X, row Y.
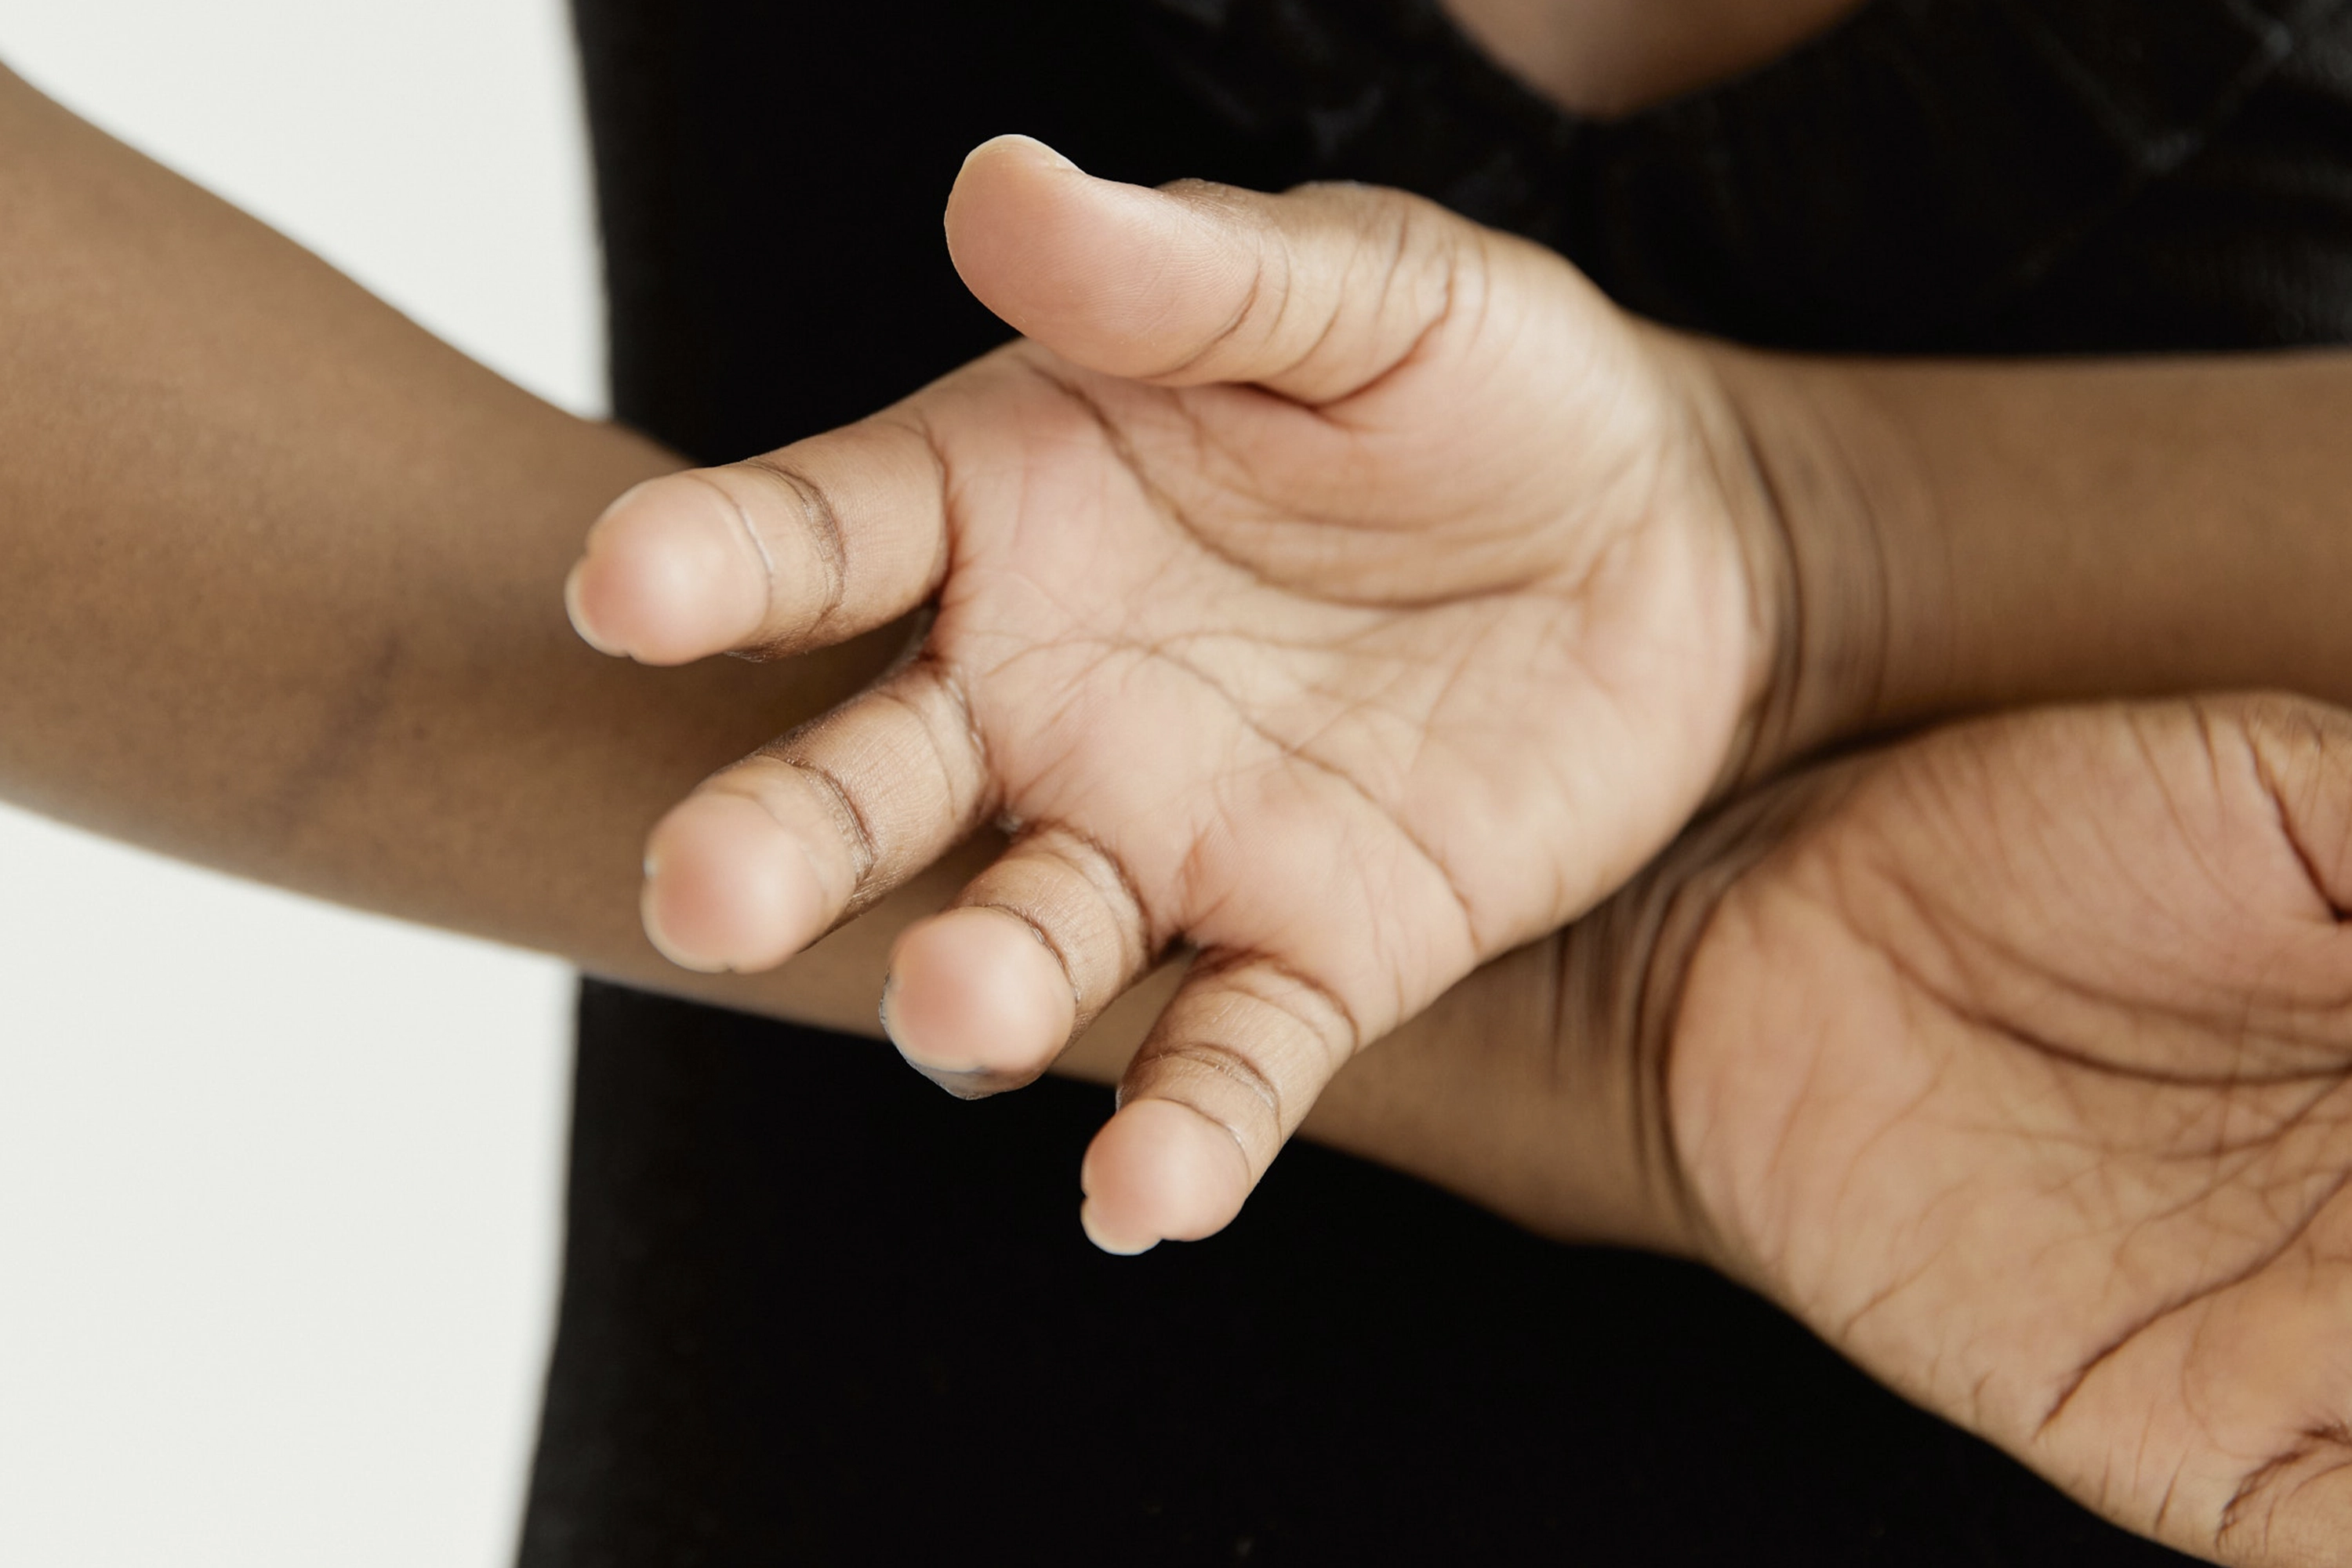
column 769, row 1225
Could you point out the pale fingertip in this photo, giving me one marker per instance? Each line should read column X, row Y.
column 671, row 574
column 976, row 1001
column 681, row 953
column 1162, row 1170
column 963, row 1084
column 1029, row 147
column 582, row 622
column 1025, row 228
column 728, row 888
column 1098, row 1229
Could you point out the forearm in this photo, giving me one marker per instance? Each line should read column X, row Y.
column 282, row 588
column 1968, row 536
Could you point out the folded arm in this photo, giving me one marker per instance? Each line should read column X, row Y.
column 1353, row 593
column 1966, row 536
column 282, row 569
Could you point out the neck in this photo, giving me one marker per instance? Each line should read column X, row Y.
column 1611, row 58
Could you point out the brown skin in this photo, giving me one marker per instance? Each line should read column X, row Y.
column 1366, row 594
column 2025, row 1076
column 1608, row 57
column 1352, row 677
column 186, row 394
column 281, row 588
column 209, row 432
column 2016, row 1060
column 280, row 598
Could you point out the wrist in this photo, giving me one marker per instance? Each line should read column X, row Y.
column 1821, row 491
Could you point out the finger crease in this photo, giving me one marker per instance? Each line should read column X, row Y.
column 1322, row 993
column 1223, row 334
column 1229, row 1064
column 1148, row 942
column 824, row 533
column 943, row 550
column 1237, row 971
column 950, row 681
column 855, row 829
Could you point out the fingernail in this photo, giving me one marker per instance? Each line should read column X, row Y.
column 976, row 1001
column 1089, row 1221
column 1051, row 152
column 964, row 1083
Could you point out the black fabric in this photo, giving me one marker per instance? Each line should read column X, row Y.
column 817, row 1312
column 1934, row 176
column 814, row 1311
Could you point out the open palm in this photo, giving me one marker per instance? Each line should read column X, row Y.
column 2016, row 1060
column 1327, row 583
column 2026, row 1077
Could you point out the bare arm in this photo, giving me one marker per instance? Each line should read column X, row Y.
column 281, row 588
column 1968, row 536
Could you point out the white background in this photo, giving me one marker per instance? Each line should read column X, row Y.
column 279, row 1185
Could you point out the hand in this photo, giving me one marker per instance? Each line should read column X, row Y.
column 2016, row 1061
column 1327, row 583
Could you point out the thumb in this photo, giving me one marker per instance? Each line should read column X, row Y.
column 1314, row 294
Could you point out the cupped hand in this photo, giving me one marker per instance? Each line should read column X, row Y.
column 1325, row 583
column 2017, row 1061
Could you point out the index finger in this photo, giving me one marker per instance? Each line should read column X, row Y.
column 806, row 546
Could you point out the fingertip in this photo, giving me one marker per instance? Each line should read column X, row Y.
column 1161, row 1170
column 976, row 1000
column 1021, row 149
column 583, row 619
column 728, row 889
column 670, row 574
column 1097, row 270
column 1007, row 216
column 1105, row 1236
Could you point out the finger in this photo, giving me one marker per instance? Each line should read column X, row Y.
column 1221, row 1083
column 804, row 547
column 985, row 996
column 770, row 855
column 1314, row 294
